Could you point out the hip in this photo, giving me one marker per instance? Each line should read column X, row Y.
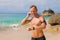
column 36, row 34
column 39, row 38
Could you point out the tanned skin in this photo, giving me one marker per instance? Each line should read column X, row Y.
column 36, row 22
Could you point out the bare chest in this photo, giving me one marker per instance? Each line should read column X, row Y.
column 35, row 21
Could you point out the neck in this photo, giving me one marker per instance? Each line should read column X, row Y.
column 36, row 15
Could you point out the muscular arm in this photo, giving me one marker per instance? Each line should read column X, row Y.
column 25, row 20
column 42, row 24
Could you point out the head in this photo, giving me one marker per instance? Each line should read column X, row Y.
column 33, row 9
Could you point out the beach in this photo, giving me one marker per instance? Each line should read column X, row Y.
column 12, row 13
column 23, row 34
column 14, row 34
column 9, row 30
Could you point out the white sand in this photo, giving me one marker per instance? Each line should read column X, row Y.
column 23, row 34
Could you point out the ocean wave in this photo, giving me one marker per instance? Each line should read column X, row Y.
column 9, row 25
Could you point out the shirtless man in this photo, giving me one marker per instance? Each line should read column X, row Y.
column 37, row 24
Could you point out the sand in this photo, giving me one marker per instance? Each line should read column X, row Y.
column 23, row 34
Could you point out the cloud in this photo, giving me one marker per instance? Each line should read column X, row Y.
column 23, row 5
column 40, row 2
column 9, row 4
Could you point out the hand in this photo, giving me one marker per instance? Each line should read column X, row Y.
column 29, row 13
column 29, row 29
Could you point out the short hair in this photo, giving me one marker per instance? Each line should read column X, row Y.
column 34, row 7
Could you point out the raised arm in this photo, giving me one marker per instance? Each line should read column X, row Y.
column 26, row 20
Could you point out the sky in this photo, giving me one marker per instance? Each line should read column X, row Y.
column 22, row 6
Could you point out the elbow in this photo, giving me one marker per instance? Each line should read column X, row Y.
column 22, row 23
column 43, row 26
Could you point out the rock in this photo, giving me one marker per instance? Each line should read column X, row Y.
column 54, row 19
column 53, row 29
column 48, row 12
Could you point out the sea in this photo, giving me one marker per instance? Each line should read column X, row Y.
column 11, row 19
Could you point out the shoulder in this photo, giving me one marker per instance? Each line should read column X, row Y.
column 41, row 17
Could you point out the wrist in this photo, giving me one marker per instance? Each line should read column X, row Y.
column 33, row 28
column 27, row 17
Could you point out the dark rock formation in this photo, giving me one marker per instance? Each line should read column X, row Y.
column 48, row 12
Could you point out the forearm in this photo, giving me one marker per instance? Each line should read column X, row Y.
column 42, row 26
column 29, row 28
column 24, row 20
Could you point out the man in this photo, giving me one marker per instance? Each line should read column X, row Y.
column 37, row 24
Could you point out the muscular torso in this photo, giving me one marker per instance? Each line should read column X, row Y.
column 35, row 22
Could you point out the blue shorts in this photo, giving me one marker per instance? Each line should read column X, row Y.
column 40, row 38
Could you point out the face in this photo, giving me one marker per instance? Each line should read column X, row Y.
column 33, row 10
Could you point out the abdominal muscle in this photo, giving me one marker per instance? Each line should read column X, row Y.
column 37, row 33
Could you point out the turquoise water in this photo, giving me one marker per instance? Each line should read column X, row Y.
column 46, row 17
column 13, row 18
